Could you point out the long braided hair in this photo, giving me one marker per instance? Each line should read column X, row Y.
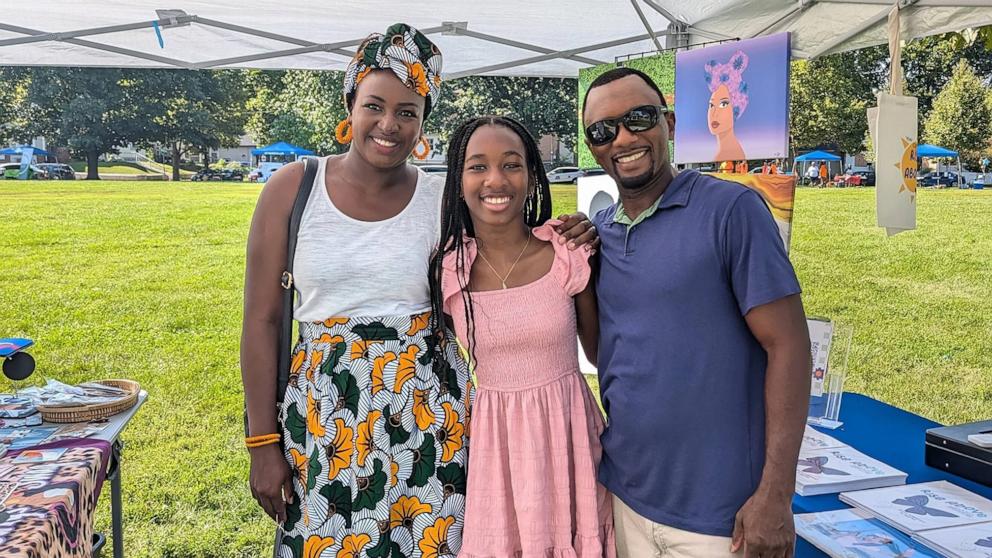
column 456, row 221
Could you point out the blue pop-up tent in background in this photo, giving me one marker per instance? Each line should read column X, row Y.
column 281, row 148
column 27, row 153
column 937, row 152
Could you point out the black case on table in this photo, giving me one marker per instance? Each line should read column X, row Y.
column 948, row 449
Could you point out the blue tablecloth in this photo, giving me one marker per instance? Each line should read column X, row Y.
column 888, row 434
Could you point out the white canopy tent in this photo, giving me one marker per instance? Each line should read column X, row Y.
column 502, row 37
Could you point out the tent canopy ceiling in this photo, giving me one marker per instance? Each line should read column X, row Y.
column 509, row 37
column 818, row 156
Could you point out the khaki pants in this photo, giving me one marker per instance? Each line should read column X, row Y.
column 638, row 537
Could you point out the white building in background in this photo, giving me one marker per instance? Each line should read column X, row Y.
column 240, row 153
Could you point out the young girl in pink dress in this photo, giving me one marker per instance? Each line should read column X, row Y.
column 517, row 297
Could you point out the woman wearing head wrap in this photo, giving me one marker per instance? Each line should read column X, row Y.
column 727, row 103
column 374, row 423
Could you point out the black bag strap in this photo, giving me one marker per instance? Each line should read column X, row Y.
column 288, row 285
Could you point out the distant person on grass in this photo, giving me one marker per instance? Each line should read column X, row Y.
column 704, row 356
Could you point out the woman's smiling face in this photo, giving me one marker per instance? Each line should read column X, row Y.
column 386, row 120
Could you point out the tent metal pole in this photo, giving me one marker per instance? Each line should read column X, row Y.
column 702, row 33
column 523, row 46
column 664, row 13
column 109, row 48
column 65, row 35
column 647, row 25
column 802, row 6
column 336, row 48
column 549, row 56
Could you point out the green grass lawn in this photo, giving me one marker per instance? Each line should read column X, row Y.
column 143, row 281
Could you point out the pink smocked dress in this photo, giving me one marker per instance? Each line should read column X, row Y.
column 532, row 489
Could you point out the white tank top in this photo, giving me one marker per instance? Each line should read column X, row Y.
column 352, row 268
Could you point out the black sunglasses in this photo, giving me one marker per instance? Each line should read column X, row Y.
column 639, row 119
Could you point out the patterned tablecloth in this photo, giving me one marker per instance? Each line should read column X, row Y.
column 50, row 511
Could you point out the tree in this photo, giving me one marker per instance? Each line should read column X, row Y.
column 304, row 107
column 929, row 62
column 196, row 111
column 298, row 106
column 543, row 105
column 13, row 97
column 92, row 110
column 961, row 118
column 830, row 96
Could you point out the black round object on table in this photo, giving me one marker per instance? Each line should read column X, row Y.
column 18, row 366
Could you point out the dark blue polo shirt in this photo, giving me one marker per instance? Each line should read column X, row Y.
column 682, row 378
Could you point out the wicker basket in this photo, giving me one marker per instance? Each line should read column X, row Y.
column 86, row 413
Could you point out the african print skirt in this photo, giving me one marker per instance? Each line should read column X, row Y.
column 377, row 439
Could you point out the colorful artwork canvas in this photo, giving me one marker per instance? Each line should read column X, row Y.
column 733, row 101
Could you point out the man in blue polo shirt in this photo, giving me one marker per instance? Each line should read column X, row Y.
column 704, row 359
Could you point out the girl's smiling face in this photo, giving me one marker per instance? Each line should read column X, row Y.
column 495, row 179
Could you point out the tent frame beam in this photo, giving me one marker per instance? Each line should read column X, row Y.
column 549, row 56
column 523, row 46
column 100, row 46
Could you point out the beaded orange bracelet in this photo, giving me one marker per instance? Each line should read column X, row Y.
column 263, row 440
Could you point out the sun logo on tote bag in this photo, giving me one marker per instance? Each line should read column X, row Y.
column 908, row 165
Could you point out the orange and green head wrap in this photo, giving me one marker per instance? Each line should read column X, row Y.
column 406, row 52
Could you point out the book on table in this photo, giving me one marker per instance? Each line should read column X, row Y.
column 919, row 507
column 967, row 541
column 840, row 469
column 813, row 439
column 854, row 534
column 15, row 407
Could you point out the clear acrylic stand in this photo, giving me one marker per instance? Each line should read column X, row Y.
column 831, row 344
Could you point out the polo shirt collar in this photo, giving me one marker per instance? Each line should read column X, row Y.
column 676, row 195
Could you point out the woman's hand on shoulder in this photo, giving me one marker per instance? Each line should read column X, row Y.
column 578, row 230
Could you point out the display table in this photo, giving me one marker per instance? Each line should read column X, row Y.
column 889, row 434
column 50, row 513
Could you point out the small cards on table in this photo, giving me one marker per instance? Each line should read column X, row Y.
column 39, row 455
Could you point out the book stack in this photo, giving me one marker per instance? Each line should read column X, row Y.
column 17, row 412
column 828, row 466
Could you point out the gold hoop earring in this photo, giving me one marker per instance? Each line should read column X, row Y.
column 342, row 132
column 420, row 156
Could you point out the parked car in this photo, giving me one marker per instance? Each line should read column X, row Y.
column 564, row 174
column 13, row 170
column 939, row 179
column 58, row 171
column 264, row 171
column 434, row 169
column 236, row 175
column 595, row 171
column 204, row 175
column 867, row 177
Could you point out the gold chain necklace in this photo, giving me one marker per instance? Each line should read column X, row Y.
column 502, row 280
